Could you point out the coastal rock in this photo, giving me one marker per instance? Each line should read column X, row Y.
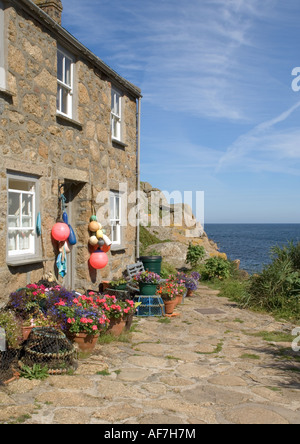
column 174, row 225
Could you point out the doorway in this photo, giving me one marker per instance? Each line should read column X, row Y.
column 71, row 189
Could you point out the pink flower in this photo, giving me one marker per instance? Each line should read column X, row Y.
column 94, row 327
column 84, row 320
column 70, row 321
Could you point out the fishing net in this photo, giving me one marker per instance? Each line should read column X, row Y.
column 8, row 365
column 49, row 348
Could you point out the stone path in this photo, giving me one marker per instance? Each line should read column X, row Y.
column 200, row 368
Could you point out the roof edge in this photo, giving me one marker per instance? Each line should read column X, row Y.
column 28, row 5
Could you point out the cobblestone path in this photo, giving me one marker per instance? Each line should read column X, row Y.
column 212, row 364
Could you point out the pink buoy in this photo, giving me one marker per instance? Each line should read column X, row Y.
column 60, row 232
column 98, row 260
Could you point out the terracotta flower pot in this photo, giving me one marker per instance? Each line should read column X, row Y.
column 117, row 326
column 189, row 293
column 26, row 332
column 169, row 306
column 179, row 300
column 129, row 320
column 85, row 342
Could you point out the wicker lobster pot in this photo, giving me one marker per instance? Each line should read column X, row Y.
column 49, row 347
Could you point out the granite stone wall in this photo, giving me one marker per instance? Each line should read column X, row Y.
column 79, row 152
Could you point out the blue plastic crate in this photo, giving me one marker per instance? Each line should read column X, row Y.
column 150, row 306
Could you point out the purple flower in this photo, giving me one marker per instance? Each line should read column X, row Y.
column 196, row 276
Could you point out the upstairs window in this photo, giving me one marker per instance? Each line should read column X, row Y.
column 65, row 65
column 21, row 217
column 2, row 50
column 116, row 115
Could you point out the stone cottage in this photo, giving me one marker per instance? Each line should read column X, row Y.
column 69, row 130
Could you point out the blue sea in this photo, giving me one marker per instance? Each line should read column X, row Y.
column 251, row 243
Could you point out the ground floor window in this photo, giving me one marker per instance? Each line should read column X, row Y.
column 22, row 215
column 115, row 217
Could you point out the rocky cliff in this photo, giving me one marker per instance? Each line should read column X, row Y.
column 173, row 226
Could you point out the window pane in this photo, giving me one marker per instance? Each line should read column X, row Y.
column 114, row 233
column 25, row 240
column 115, row 128
column 20, row 185
column 58, row 98
column 67, row 78
column 27, row 208
column 64, row 104
column 14, row 209
column 60, row 62
column 112, row 207
column 117, row 105
column 12, row 241
column 117, row 215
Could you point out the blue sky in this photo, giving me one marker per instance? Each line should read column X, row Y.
column 219, row 114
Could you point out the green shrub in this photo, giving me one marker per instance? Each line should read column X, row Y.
column 216, row 267
column 167, row 270
column 194, row 254
column 277, row 287
column 236, row 290
column 12, row 328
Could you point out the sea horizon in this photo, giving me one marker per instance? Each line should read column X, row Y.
column 251, row 243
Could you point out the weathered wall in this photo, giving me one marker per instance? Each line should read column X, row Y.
column 33, row 140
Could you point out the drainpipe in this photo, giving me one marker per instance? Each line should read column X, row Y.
column 138, row 172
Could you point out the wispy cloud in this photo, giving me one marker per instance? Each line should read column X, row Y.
column 184, row 55
column 267, row 147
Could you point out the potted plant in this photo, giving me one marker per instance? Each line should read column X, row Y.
column 40, row 320
column 116, row 311
column 10, row 341
column 121, row 284
column 82, row 320
column 169, row 291
column 191, row 283
column 147, row 281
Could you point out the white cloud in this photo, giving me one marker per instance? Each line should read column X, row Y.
column 267, row 147
column 184, row 55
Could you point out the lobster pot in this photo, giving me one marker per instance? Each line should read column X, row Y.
column 121, row 295
column 150, row 306
column 8, row 365
column 49, row 348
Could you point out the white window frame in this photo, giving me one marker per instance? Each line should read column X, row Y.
column 116, row 118
column 63, row 86
column 116, row 235
column 2, row 48
column 32, row 252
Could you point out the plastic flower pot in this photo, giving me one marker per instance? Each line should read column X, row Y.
column 147, row 289
column 152, row 263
